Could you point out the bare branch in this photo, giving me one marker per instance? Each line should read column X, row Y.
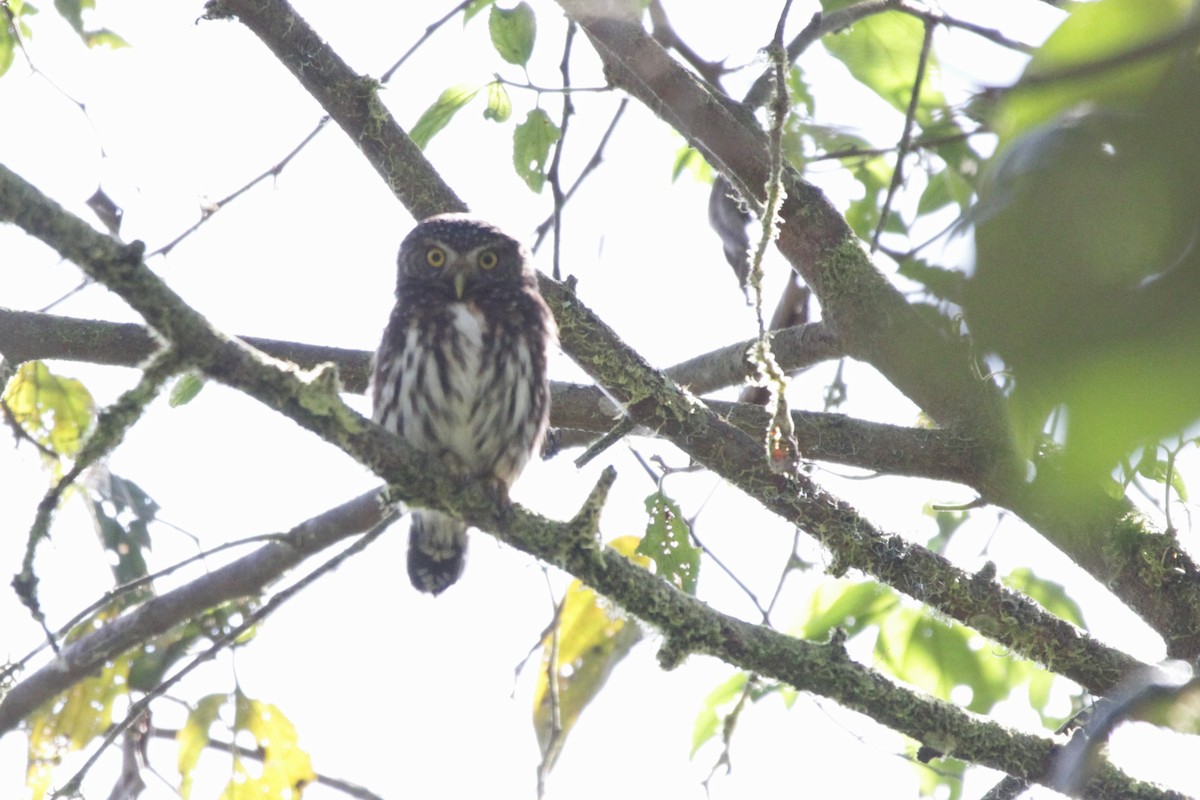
column 245, row 577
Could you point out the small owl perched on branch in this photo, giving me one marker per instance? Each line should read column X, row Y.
column 461, row 371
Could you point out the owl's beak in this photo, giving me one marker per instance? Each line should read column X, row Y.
column 460, row 283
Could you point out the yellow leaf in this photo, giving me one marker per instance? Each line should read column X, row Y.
column 71, row 721
column 592, row 640
column 193, row 737
column 55, row 411
column 286, row 768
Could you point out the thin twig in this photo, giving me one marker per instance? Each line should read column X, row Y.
column 595, row 161
column 136, row 709
column 938, row 18
column 905, row 145
column 429, row 31
column 916, row 144
column 125, row 588
column 552, row 175
column 345, row 787
column 210, row 209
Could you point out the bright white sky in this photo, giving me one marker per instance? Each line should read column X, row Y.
column 388, row 688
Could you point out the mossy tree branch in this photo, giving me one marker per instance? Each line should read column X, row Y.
column 689, row 625
column 658, row 404
column 652, row 399
column 918, row 352
column 312, row 401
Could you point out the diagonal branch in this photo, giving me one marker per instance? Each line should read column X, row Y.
column 914, row 348
column 652, row 399
column 312, row 401
column 245, row 577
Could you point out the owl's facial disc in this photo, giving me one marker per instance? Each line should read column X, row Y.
column 462, row 268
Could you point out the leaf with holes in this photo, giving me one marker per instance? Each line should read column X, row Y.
column 54, row 410
column 286, row 767
column 669, row 543
column 193, row 737
column 531, row 147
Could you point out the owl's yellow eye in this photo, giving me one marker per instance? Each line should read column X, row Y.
column 487, row 259
column 435, row 257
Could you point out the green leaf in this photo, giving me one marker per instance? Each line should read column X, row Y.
column 1161, row 471
column 72, row 12
column 668, row 542
column 185, row 389
column 499, row 107
column 125, row 532
column 938, row 657
column 7, row 47
column 473, row 8
column 513, row 32
column 947, row 521
column 882, row 52
column 55, row 411
column 942, row 283
column 1090, row 33
column 74, row 718
column 151, row 661
column 945, row 187
column 438, row 115
column 849, row 606
column 592, row 639
column 104, row 38
column 688, row 159
column 874, row 174
column 531, row 147
column 1052, row 596
column 716, row 705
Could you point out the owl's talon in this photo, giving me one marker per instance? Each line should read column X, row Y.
column 498, row 492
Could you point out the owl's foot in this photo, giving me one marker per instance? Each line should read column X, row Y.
column 498, row 493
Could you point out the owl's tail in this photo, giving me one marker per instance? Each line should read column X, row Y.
column 437, row 551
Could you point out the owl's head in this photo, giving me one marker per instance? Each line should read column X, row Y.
column 461, row 254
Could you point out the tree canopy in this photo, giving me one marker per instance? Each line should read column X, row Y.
column 877, row 395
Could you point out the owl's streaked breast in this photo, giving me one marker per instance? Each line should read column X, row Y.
column 464, row 391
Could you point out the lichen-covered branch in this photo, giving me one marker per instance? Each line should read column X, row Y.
column 918, row 352
column 657, row 403
column 312, row 400
column 890, row 449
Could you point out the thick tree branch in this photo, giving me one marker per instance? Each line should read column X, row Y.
column 654, row 401
column 27, row 335
column 909, row 344
column 313, row 402
column 657, row 403
column 890, row 449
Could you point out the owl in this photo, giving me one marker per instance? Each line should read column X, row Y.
column 461, row 371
